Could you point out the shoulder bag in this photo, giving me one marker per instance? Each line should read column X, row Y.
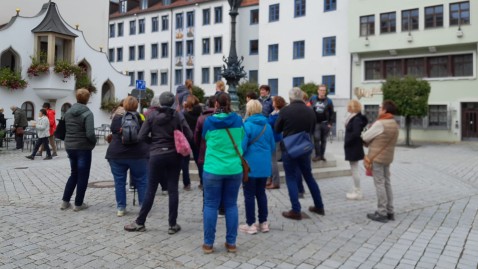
column 368, row 162
column 298, row 144
column 245, row 166
column 60, row 131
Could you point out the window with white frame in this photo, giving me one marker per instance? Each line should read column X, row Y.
column 205, row 75
column 154, row 78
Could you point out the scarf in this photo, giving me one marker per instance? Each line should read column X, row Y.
column 385, row 116
column 349, row 118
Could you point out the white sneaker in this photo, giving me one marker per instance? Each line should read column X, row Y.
column 264, row 227
column 248, row 229
column 120, row 212
column 356, row 194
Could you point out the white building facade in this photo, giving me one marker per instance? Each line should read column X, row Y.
column 430, row 39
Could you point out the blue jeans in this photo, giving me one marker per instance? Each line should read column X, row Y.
column 217, row 188
column 80, row 164
column 185, row 169
column 255, row 188
column 139, row 177
column 294, row 170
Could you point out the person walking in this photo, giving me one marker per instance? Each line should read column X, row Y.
column 43, row 132
column 296, row 118
column 353, row 145
column 381, row 139
column 222, row 174
column 258, row 146
column 51, row 138
column 164, row 161
column 192, row 111
column 324, row 112
column 20, row 123
column 80, row 140
column 123, row 157
column 278, row 103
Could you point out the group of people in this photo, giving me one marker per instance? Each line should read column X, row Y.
column 219, row 138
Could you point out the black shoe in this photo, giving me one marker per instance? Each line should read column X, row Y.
column 47, row 158
column 316, row 158
column 38, row 154
column 174, row 229
column 323, row 159
column 377, row 217
column 292, row 215
column 316, row 210
column 54, row 154
column 301, row 195
column 390, row 216
column 30, row 157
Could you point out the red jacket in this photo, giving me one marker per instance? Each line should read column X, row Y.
column 51, row 118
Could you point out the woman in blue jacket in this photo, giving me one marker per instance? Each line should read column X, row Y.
column 258, row 146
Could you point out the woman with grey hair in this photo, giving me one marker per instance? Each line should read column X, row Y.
column 153, row 105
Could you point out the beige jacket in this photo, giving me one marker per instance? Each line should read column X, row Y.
column 382, row 135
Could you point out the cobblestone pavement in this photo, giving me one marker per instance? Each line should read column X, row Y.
column 436, row 200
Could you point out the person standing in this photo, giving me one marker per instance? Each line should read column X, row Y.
column 192, row 111
column 51, row 138
column 258, row 146
column 124, row 157
column 80, row 140
column 3, row 126
column 164, row 161
column 278, row 103
column 324, row 112
column 296, row 118
column 198, row 139
column 19, row 121
column 43, row 132
column 266, row 100
column 353, row 145
column 220, row 88
column 381, row 139
column 222, row 174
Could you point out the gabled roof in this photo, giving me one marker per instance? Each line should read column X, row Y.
column 52, row 23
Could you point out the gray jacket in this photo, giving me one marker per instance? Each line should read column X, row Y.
column 19, row 118
column 80, row 128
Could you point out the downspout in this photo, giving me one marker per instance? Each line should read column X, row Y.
column 350, row 76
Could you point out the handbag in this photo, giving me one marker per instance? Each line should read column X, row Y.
column 181, row 143
column 60, row 131
column 245, row 166
column 298, row 144
column 19, row 131
column 368, row 162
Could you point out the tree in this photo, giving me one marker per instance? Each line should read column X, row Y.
column 199, row 93
column 411, row 97
column 310, row 88
column 242, row 91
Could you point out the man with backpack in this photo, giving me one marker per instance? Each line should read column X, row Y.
column 324, row 113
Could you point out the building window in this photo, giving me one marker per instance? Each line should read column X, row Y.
column 330, row 5
column 120, row 29
column 132, row 52
column 28, row 108
column 179, row 21
column 460, row 13
column 299, row 8
column 388, row 23
column 218, row 15
column 373, row 70
column 410, row 20
column 299, row 50
column 164, row 23
column 131, row 78
column 415, row 67
column 141, row 25
column 437, row 116
column 253, row 76
column 255, row 16
column 190, row 19
column 206, row 16
column 393, row 68
column 190, row 47
column 166, row 2
column 154, row 78
column 367, row 25
column 254, row 47
column 273, row 55
column 132, row 27
column 463, row 65
column 141, row 52
column 274, row 12
column 218, row 44
column 123, row 6
column 154, row 51
column 190, row 74
column 119, row 54
column 179, row 48
column 178, row 77
column 164, row 50
column 274, row 85
column 164, row 78
column 217, row 73
column 434, row 16
column 111, row 55
column 329, row 81
column 205, row 75
column 329, row 46
column 154, row 25
column 140, row 75
column 144, row 4
column 297, row 81
column 438, row 66
column 205, row 46
column 371, row 112
column 112, row 30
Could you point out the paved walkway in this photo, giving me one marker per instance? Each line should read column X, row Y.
column 436, row 201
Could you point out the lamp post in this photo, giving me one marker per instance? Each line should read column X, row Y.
column 233, row 70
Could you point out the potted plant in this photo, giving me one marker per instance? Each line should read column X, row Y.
column 66, row 69
column 11, row 79
column 109, row 105
column 38, row 66
column 83, row 81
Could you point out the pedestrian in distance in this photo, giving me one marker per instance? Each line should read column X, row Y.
column 42, row 127
column 278, row 103
column 3, row 126
column 51, row 138
column 325, row 118
column 266, row 100
column 19, row 123
column 192, row 111
column 199, row 140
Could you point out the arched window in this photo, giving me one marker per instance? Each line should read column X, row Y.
column 107, row 92
column 10, row 59
column 29, row 110
column 64, row 108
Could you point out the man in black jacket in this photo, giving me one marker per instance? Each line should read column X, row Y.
column 296, row 118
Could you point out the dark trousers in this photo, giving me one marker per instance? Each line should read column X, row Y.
column 162, row 168
column 320, row 138
column 80, row 164
column 185, row 169
column 255, row 189
column 42, row 141
column 19, row 140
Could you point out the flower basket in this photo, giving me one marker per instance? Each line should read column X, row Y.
column 66, row 69
column 11, row 79
column 36, row 69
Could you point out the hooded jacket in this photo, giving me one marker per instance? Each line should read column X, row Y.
column 198, row 140
column 80, row 128
column 181, row 94
column 221, row 158
column 161, row 124
column 258, row 150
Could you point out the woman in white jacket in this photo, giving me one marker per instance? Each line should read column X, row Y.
column 43, row 132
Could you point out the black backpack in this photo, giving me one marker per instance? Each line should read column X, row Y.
column 129, row 129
